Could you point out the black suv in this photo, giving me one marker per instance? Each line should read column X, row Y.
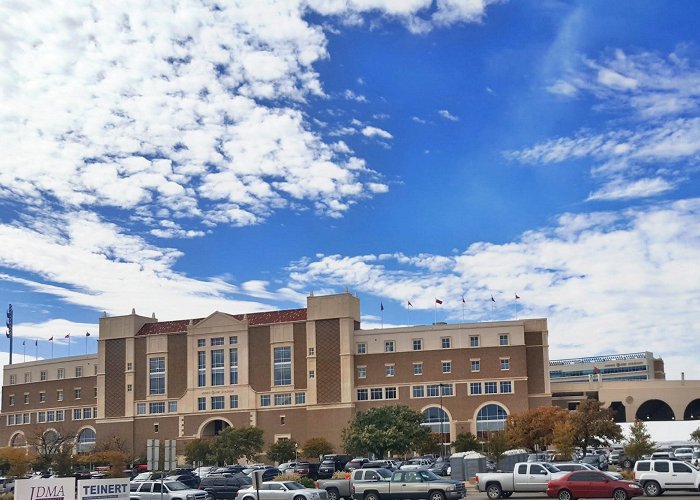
column 307, row 469
column 331, row 464
column 224, row 486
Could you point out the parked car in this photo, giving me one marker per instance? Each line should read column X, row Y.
column 332, row 463
column 440, row 467
column 171, row 490
column 281, row 490
column 287, row 465
column 224, row 487
column 683, row 454
column 657, row 476
column 417, row 464
column 572, row 466
column 527, row 477
column 7, row 485
column 381, row 464
column 146, row 476
column 307, row 469
column 342, row 488
column 591, row 484
column 355, row 463
column 415, row 484
column 204, row 471
column 661, row 455
column 229, row 469
column 598, row 461
column 188, row 479
column 696, row 458
column 614, row 458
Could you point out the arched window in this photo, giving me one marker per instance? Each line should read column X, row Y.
column 86, row 440
column 436, row 419
column 18, row 440
column 491, row 417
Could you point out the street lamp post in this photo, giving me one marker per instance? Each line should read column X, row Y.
column 442, row 419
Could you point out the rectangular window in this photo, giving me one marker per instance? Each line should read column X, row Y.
column 172, row 406
column 475, row 388
column 156, row 375
column 233, row 401
column 447, row 390
column 361, row 348
column 11, row 400
column 503, row 339
column 390, row 393
column 201, row 342
column 87, row 413
column 362, row 395
column 505, row 363
column 283, row 365
column 389, row 346
column 473, row 341
column 446, row 342
column 42, row 397
column 418, row 368
column 233, row 340
column 376, row 393
column 10, row 420
column 418, row 391
column 61, row 373
column 217, row 341
column 78, row 413
column 129, row 387
column 283, row 399
column 51, row 416
column 13, row 379
column 217, row 366
column 201, row 368
column 300, row 398
column 361, row 372
column 129, row 366
column 201, row 404
column 27, row 377
column 44, row 375
column 265, row 400
column 26, row 398
column 233, row 365
column 447, row 367
column 490, row 388
column 78, row 371
column 217, row 402
column 60, row 415
column 76, row 393
column 27, row 418
column 154, row 407
column 433, row 390
column 506, row 387
column 417, row 344
column 476, row 365
column 389, row 369
column 312, row 351
column 312, row 374
column 41, row 417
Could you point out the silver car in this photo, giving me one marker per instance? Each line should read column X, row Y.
column 282, row 490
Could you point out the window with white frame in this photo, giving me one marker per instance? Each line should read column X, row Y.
column 361, row 348
column 447, row 390
column 27, row 377
column 201, row 368
column 155, row 408
column 217, row 366
column 418, row 368
column 216, row 341
column 389, row 346
column 61, row 373
column 140, row 410
column 233, row 339
column 300, row 398
column 11, row 400
column 76, row 392
column 42, row 397
column 27, row 418
column 418, row 391
column 41, row 417
column 376, row 393
column 156, row 375
column 475, row 365
column 447, row 367
column 433, row 390
column 283, row 365
column 475, row 388
column 389, row 370
column 490, row 388
column 312, row 351
column 13, row 379
column 172, row 406
column 201, row 342
column 78, row 371
column 51, row 416
column 361, row 372
column 506, row 387
column 503, row 339
column 233, row 365
column 60, row 415
column 505, row 364
column 217, row 402
column 312, row 374
column 473, row 341
column 390, row 393
column 265, row 400
column 233, row 401
column 201, row 404
column 44, row 375
column 26, row 398
column 283, row 399
column 362, row 394
column 417, row 344
column 446, row 342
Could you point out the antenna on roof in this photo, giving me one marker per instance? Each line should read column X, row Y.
column 346, row 290
column 311, row 294
column 153, row 315
column 133, row 310
column 104, row 314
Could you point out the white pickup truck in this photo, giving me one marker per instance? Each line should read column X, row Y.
column 527, row 477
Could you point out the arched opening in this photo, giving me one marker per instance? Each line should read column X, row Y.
column 50, row 437
column 619, row 411
column 491, row 417
column 18, row 440
column 86, row 440
column 438, row 421
column 214, row 428
column 692, row 411
column 655, row 410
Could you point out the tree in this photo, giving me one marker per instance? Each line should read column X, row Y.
column 496, row 446
column 639, row 443
column 695, row 435
column 16, row 461
column 563, row 440
column 378, row 430
column 593, row 425
column 283, row 450
column 235, row 443
column 534, row 429
column 466, row 441
column 199, row 451
column 51, row 447
column 316, row 447
column 431, row 444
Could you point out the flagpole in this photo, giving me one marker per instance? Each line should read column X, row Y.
column 463, row 303
column 87, row 334
column 435, row 307
column 51, row 347
column 68, row 336
column 36, row 348
column 24, row 349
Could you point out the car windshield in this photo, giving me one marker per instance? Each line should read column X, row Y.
column 176, row 486
column 429, row 476
column 384, row 473
column 293, row 485
column 589, row 459
column 550, row 467
column 328, row 462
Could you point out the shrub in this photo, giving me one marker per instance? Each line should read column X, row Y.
column 288, row 476
column 307, row 482
column 340, row 474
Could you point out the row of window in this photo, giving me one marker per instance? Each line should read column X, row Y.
column 156, row 407
column 475, row 364
column 217, row 367
column 283, row 399
column 445, row 343
column 500, row 387
column 595, row 370
column 44, row 375
column 217, row 341
column 433, row 390
column 217, row 402
column 77, row 394
column 49, row 416
column 376, row 393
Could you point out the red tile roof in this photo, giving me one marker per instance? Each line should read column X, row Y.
column 260, row 318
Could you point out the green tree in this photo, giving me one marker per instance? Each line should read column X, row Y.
column 639, row 442
column 534, row 429
column 283, row 450
column 431, row 444
column 466, row 441
column 695, row 435
column 593, row 425
column 316, row 447
column 378, row 430
column 199, row 451
column 235, row 443
column 496, row 446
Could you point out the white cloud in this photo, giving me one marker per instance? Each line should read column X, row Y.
column 352, row 96
column 623, row 281
column 448, row 116
column 642, row 188
column 370, row 131
column 563, row 88
column 418, row 120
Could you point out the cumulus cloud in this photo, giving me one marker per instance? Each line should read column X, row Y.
column 611, row 277
column 370, row 131
column 448, row 116
column 641, row 188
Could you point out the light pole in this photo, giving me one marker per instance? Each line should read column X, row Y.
column 442, row 419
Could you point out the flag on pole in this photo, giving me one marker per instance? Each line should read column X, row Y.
column 51, row 339
column 492, row 299
column 24, row 342
column 438, row 301
column 517, row 296
column 87, row 334
column 409, row 304
column 67, row 336
column 463, row 301
column 381, row 306
column 36, row 343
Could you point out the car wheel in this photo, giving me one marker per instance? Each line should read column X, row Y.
column 652, row 489
column 333, row 494
column 494, row 491
column 371, row 496
column 627, row 464
column 299, row 497
column 506, row 494
column 437, row 495
column 565, row 495
column 620, row 494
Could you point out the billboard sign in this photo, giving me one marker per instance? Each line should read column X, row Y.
column 103, row 489
column 53, row 488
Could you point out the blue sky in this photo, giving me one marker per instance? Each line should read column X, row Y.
column 187, row 157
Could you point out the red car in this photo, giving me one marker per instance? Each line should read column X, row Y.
column 592, row 484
